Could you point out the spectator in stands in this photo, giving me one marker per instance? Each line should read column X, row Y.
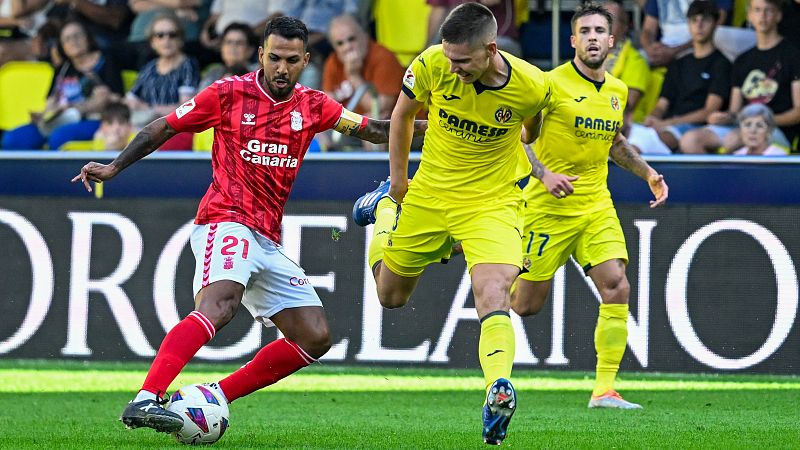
column 82, row 86
column 756, row 124
column 19, row 22
column 165, row 82
column 506, row 12
column 769, row 74
column 254, row 13
column 190, row 13
column 695, row 86
column 108, row 21
column 116, row 129
column 665, row 32
column 625, row 62
column 358, row 60
column 316, row 14
column 238, row 44
column 665, row 37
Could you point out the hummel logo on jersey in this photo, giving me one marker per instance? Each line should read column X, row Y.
column 580, row 99
column 451, row 97
column 248, row 119
column 495, row 352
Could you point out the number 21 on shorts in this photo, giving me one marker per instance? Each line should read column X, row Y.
column 231, row 245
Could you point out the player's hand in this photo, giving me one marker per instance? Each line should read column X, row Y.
column 398, row 189
column 558, row 185
column 659, row 188
column 95, row 172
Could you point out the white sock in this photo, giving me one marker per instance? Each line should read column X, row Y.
column 144, row 395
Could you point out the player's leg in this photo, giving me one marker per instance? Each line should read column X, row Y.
column 601, row 251
column 491, row 284
column 280, row 294
column 611, row 333
column 490, row 241
column 401, row 248
column 306, row 339
column 547, row 243
column 528, row 297
column 218, row 291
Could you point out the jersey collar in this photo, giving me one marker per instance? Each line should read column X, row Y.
column 480, row 87
column 597, row 84
column 266, row 94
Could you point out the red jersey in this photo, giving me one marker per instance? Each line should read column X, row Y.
column 259, row 144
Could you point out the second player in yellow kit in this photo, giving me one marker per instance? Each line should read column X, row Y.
column 580, row 131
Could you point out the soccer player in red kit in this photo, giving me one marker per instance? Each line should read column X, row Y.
column 263, row 125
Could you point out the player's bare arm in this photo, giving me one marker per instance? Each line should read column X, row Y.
column 558, row 185
column 629, row 159
column 400, row 135
column 371, row 130
column 145, row 142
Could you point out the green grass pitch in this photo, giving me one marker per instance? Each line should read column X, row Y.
column 72, row 405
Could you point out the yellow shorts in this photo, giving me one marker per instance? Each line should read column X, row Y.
column 549, row 241
column 428, row 227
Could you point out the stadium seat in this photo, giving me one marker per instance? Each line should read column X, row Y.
column 23, row 89
column 202, row 142
column 78, row 146
column 128, row 79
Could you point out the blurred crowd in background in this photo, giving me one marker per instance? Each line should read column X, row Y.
column 704, row 76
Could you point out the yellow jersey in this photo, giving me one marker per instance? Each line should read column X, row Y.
column 472, row 148
column 581, row 120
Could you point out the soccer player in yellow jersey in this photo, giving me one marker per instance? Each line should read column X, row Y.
column 466, row 188
column 580, row 130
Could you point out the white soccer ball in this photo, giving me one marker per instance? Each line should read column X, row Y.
column 204, row 412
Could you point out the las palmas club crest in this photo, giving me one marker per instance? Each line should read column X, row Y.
column 297, row 120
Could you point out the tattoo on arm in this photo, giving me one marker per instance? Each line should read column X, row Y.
column 629, row 159
column 376, row 131
column 146, row 141
column 538, row 168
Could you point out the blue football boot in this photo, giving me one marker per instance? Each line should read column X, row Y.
column 501, row 402
column 364, row 209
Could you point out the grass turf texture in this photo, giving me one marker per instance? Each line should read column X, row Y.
column 65, row 405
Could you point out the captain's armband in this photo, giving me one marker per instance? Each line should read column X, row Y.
column 350, row 123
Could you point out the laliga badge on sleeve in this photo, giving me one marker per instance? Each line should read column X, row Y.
column 185, row 108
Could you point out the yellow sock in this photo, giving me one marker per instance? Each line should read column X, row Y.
column 496, row 347
column 385, row 221
column 610, row 339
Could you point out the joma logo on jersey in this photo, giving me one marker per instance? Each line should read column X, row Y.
column 268, row 154
column 470, row 126
column 597, row 124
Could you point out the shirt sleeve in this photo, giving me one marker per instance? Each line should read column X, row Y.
column 721, row 81
column 669, row 88
column 330, row 112
column 636, row 73
column 417, row 79
column 199, row 113
column 651, row 8
column 389, row 71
